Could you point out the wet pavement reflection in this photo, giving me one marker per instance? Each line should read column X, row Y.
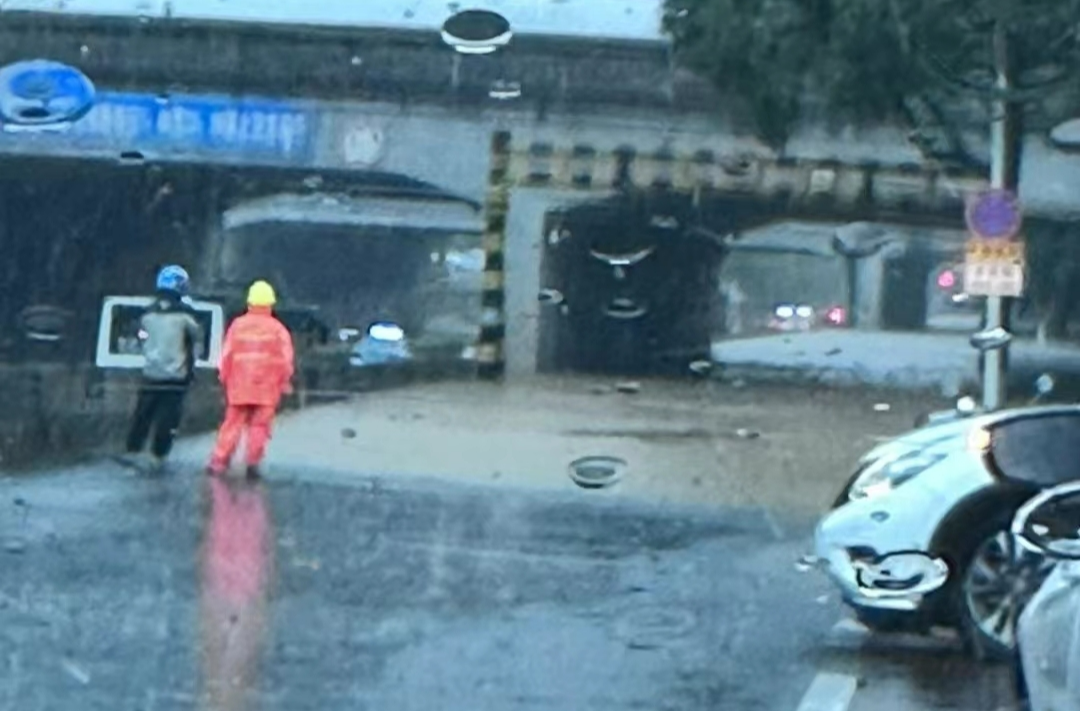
column 182, row 592
column 237, row 570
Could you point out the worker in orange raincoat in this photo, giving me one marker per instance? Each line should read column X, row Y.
column 257, row 362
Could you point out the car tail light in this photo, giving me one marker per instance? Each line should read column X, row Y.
column 947, row 280
column 836, row 316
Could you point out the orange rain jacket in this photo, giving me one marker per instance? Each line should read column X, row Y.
column 257, row 359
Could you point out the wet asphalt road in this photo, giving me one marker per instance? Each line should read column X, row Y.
column 126, row 592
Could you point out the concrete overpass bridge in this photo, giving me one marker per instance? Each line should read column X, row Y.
column 240, row 102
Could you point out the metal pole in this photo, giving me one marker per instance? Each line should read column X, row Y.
column 1000, row 147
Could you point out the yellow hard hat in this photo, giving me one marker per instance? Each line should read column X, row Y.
column 261, row 294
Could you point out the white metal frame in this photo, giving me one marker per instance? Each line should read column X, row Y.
column 106, row 359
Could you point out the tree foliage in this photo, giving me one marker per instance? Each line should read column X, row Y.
column 864, row 61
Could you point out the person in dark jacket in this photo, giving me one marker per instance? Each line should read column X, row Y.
column 171, row 340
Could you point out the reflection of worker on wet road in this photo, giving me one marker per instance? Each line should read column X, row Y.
column 171, row 342
column 237, row 566
column 257, row 362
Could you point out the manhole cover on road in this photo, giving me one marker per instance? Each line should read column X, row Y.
column 650, row 628
column 597, row 472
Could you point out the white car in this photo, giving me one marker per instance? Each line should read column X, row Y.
column 951, row 490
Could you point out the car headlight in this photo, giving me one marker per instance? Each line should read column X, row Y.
column 884, row 475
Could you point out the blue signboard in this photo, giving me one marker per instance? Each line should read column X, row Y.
column 199, row 126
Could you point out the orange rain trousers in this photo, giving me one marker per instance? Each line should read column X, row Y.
column 257, row 421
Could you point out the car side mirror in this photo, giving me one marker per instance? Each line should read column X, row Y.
column 901, row 575
column 990, row 340
column 1049, row 524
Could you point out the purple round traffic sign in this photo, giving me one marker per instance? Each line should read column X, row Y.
column 994, row 214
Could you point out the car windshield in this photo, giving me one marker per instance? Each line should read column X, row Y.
column 530, row 355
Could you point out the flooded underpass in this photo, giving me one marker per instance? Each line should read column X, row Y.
column 515, row 362
column 368, row 572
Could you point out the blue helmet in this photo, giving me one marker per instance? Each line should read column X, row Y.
column 173, row 278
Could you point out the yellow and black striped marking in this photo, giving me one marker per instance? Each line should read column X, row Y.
column 888, row 189
column 491, row 360
column 810, row 187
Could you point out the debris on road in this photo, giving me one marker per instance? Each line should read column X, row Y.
column 630, row 387
column 348, row 433
column 701, row 367
column 882, row 407
column 15, row 545
column 743, row 433
column 597, row 472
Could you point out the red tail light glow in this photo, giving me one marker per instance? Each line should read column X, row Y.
column 836, row 316
column 947, row 279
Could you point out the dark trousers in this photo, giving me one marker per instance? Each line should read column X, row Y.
column 160, row 406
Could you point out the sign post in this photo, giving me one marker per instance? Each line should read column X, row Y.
column 994, row 268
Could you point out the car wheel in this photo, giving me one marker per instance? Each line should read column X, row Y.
column 997, row 578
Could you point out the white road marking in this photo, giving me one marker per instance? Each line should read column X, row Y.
column 829, row 692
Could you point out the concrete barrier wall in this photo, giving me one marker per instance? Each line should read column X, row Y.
column 60, row 412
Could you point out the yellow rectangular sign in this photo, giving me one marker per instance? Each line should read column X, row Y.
column 994, row 267
column 983, row 250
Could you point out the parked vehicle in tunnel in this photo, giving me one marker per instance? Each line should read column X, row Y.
column 384, row 343
column 805, row 317
column 951, row 490
column 775, row 282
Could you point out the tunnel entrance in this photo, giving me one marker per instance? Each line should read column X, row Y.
column 351, row 248
column 76, row 230
column 636, row 283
